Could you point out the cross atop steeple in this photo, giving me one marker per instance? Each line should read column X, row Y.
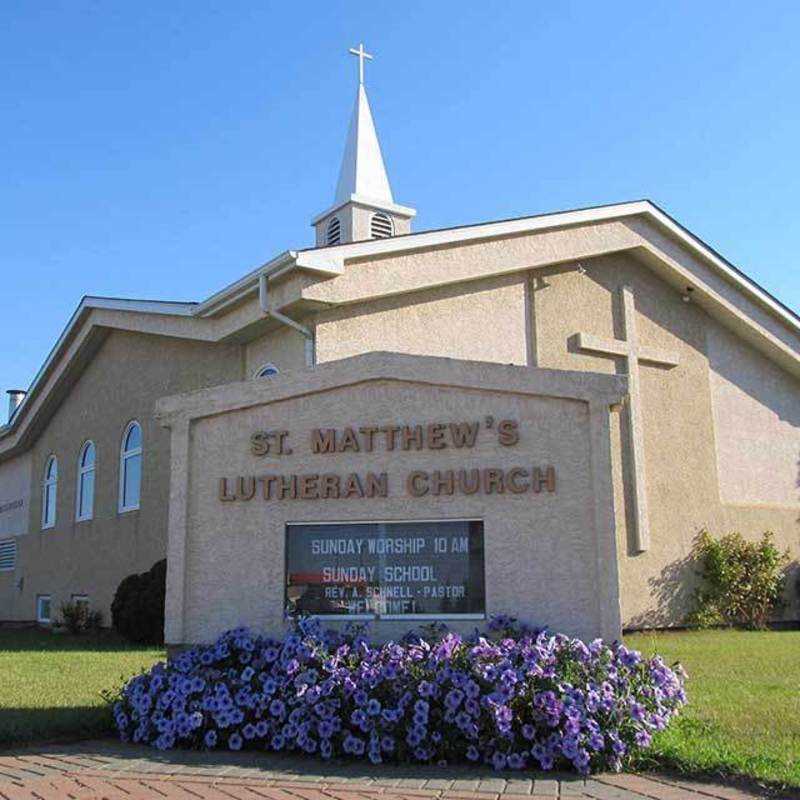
column 362, row 54
column 363, row 206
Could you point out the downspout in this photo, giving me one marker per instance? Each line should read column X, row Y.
column 263, row 299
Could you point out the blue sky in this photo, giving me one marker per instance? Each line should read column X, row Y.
column 160, row 150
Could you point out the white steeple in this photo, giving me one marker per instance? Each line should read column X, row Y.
column 363, row 207
column 363, row 171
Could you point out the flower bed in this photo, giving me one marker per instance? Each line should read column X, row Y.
column 510, row 698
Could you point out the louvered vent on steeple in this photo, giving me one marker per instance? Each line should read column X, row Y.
column 363, row 206
column 381, row 226
column 334, row 232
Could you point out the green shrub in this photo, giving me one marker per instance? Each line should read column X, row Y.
column 743, row 581
column 137, row 612
column 79, row 618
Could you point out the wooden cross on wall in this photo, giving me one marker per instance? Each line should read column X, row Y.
column 633, row 352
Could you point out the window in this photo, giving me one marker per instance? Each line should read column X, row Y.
column 84, row 496
column 43, row 608
column 130, row 467
column 333, row 235
column 49, row 493
column 81, row 600
column 8, row 555
column 267, row 371
column 381, row 226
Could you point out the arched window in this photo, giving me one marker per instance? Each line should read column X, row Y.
column 49, row 492
column 380, row 226
column 333, row 234
column 267, row 371
column 130, row 467
column 84, row 494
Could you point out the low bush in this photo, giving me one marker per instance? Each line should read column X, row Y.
column 137, row 611
column 742, row 582
column 510, row 698
column 78, row 618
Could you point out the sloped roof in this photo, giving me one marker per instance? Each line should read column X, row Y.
column 724, row 289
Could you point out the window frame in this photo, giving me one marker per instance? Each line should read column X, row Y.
column 125, row 455
column 391, row 617
column 78, row 598
column 259, row 373
column 83, row 471
column 39, row 618
column 47, row 483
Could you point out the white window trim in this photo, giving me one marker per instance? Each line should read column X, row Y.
column 80, row 598
column 14, row 565
column 46, row 483
column 82, row 472
column 123, row 456
column 39, row 617
column 268, row 365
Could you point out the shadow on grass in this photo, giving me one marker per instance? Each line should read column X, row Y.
column 23, row 725
column 23, row 640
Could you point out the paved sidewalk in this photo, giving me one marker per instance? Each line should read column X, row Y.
column 108, row 770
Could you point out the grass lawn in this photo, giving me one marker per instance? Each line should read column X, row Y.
column 50, row 684
column 743, row 716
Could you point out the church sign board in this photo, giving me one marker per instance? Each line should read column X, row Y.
column 396, row 489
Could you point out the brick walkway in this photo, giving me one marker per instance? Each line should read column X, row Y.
column 100, row 770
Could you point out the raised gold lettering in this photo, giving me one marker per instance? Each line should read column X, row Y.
column 352, row 486
column 377, row 485
column 464, row 434
column 513, row 480
column 507, row 432
column 245, row 488
column 417, row 483
column 323, row 441
column 224, row 494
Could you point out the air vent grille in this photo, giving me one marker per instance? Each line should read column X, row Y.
column 334, row 232
column 8, row 555
column 381, row 226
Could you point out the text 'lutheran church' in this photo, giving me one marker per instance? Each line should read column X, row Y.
column 534, row 416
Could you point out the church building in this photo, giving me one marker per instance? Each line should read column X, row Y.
column 534, row 416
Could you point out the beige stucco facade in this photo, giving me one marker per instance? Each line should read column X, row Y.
column 91, row 557
column 720, row 429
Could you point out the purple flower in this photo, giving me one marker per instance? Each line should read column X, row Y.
column 513, row 698
column 499, row 760
column 643, row 738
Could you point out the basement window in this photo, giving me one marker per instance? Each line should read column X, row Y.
column 43, row 608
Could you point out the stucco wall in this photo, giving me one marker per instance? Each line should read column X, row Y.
column 284, row 347
column 122, row 383
column 15, row 495
column 483, row 320
column 688, row 485
column 757, row 422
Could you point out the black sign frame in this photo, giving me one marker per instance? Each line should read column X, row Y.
column 475, row 587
